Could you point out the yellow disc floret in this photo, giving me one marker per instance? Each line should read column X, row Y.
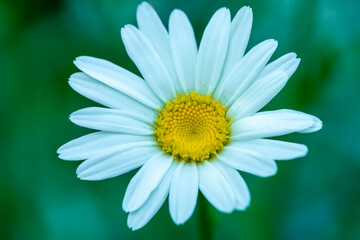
column 192, row 127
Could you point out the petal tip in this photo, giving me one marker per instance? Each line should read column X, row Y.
column 144, row 4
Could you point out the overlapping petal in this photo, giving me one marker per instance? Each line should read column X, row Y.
column 151, row 26
column 113, row 120
column 96, row 143
column 244, row 72
column 257, row 95
column 215, row 187
column 184, row 49
column 275, row 149
column 149, row 63
column 237, row 183
column 287, row 64
column 239, row 37
column 143, row 215
column 212, row 52
column 248, row 161
column 270, row 124
column 119, row 79
column 183, row 192
column 106, row 95
column 113, row 163
column 145, row 181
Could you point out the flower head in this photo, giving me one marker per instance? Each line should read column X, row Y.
column 192, row 121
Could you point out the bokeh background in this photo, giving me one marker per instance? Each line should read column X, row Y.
column 316, row 197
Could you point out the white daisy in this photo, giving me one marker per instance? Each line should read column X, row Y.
column 191, row 122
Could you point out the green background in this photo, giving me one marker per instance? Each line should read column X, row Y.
column 316, row 197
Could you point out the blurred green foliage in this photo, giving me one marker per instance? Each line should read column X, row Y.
column 317, row 197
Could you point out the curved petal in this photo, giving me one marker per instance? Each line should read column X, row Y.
column 270, row 124
column 316, row 126
column 119, row 79
column 105, row 95
column 151, row 26
column 244, row 73
column 237, row 183
column 257, row 95
column 145, row 181
column 274, row 149
column 239, row 38
column 248, row 161
column 212, row 52
column 149, row 63
column 183, row 192
column 287, row 63
column 215, row 188
column 184, row 49
column 142, row 216
column 116, row 162
column 113, row 120
column 96, row 143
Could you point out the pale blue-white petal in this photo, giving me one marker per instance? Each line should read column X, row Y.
column 215, row 188
column 119, row 79
column 151, row 26
column 184, row 49
column 248, row 161
column 118, row 161
column 316, row 126
column 113, row 120
column 143, row 215
column 149, row 63
column 212, row 52
column 237, row 183
column 287, row 63
column 96, row 143
column 183, row 192
column 145, row 181
column 257, row 95
column 105, row 95
column 274, row 149
column 239, row 37
column 244, row 73
column 270, row 124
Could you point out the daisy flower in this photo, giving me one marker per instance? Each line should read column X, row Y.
column 191, row 121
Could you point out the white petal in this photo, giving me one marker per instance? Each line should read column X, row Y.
column 316, row 126
column 113, row 120
column 105, row 95
column 237, row 183
column 270, row 124
column 215, row 188
column 212, row 52
column 97, row 143
column 151, row 26
column 183, row 192
column 245, row 72
column 184, row 49
column 248, row 161
column 116, row 162
column 239, row 37
column 257, row 95
column 149, row 63
column 145, row 181
column 142, row 216
column 274, row 149
column 119, row 79
column 287, row 64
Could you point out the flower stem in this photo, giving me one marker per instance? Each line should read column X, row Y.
column 206, row 222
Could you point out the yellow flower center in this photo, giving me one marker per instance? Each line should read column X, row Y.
column 192, row 127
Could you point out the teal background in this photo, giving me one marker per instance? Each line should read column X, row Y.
column 316, row 197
